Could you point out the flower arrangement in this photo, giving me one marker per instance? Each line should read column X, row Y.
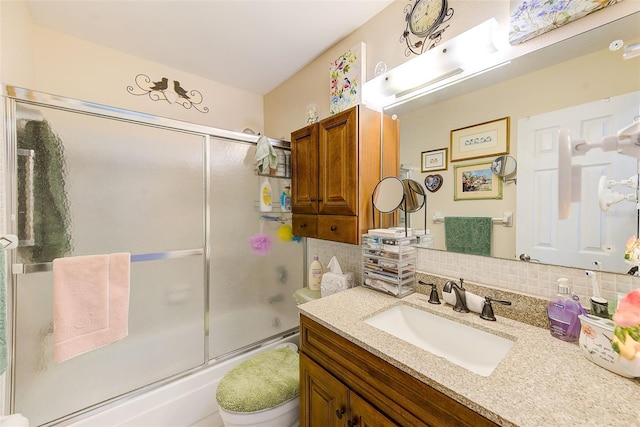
column 626, row 333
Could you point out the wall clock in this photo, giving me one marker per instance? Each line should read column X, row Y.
column 423, row 19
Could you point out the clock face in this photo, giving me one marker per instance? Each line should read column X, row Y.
column 425, row 16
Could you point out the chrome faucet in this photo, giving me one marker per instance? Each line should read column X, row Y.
column 461, row 298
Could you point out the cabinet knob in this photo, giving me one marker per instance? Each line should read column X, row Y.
column 320, row 199
column 313, row 199
column 339, row 413
column 352, row 423
column 303, row 225
column 334, row 228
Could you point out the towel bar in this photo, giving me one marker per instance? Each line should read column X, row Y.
column 48, row 266
column 506, row 220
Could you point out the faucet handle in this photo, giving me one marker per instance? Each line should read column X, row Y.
column 433, row 297
column 487, row 308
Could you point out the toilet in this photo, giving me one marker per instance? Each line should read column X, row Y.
column 262, row 391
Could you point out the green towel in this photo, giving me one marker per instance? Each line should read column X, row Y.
column 468, row 235
column 3, row 319
column 51, row 219
column 264, row 381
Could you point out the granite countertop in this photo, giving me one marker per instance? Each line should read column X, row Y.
column 542, row 381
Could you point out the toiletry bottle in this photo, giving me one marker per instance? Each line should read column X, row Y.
column 563, row 314
column 285, row 198
column 315, row 274
column 265, row 196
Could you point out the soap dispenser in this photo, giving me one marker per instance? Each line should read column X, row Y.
column 563, row 312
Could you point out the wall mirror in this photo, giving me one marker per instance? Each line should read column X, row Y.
column 553, row 79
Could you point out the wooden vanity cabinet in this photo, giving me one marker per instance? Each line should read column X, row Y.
column 341, row 384
column 335, row 165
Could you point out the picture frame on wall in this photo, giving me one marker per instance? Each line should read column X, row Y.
column 476, row 181
column 347, row 74
column 434, row 160
column 480, row 140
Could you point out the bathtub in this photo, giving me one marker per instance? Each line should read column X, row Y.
column 187, row 402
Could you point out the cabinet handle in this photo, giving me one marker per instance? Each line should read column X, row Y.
column 353, row 423
column 334, row 228
column 303, row 225
column 339, row 413
column 313, row 199
column 320, row 199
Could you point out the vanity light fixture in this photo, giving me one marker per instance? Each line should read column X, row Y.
column 465, row 55
column 631, row 51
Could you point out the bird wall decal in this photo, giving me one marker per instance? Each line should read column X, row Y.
column 179, row 90
column 160, row 85
column 160, row 90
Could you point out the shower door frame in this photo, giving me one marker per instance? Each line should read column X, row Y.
column 13, row 95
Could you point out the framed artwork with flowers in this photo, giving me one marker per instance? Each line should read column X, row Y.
column 347, row 73
column 530, row 18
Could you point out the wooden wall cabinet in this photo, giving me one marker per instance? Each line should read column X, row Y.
column 341, row 384
column 335, row 165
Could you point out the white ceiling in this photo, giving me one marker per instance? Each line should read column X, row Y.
column 253, row 45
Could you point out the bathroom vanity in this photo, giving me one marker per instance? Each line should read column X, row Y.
column 340, row 380
column 352, row 371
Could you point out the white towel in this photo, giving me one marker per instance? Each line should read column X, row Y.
column 90, row 302
column 266, row 157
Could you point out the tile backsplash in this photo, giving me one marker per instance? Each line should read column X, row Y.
column 528, row 278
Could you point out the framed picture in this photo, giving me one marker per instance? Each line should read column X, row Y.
column 347, row 74
column 434, row 160
column 476, row 181
column 531, row 18
column 481, row 140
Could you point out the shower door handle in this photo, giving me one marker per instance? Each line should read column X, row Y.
column 9, row 241
column 29, row 197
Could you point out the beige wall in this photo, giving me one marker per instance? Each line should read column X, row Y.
column 48, row 61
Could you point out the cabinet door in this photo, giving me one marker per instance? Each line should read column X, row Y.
column 365, row 415
column 338, row 164
column 323, row 399
column 304, row 170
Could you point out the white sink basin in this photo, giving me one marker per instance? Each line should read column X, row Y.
column 470, row 348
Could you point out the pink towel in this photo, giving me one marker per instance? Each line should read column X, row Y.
column 90, row 302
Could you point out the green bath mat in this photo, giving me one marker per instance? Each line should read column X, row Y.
column 264, row 381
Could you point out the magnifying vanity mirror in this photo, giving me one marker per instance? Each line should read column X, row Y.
column 388, row 195
column 391, row 194
column 540, row 100
column 504, row 166
column 414, row 196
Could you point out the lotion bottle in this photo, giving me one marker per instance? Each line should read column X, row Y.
column 315, row 274
column 563, row 312
column 265, row 196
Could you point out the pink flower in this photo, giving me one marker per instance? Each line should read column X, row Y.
column 628, row 311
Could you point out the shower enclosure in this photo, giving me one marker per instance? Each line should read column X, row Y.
column 86, row 179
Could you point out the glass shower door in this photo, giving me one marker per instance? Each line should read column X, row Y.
column 251, row 295
column 94, row 185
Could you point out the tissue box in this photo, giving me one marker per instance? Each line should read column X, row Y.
column 595, row 342
column 334, row 282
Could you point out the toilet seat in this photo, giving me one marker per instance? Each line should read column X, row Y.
column 262, row 388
